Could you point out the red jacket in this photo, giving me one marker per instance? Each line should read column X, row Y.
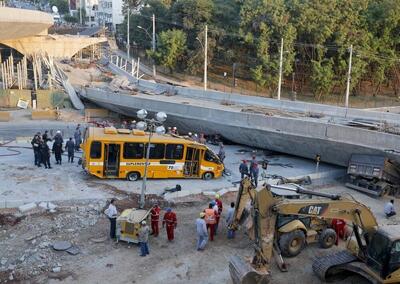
column 170, row 219
column 219, row 203
column 155, row 214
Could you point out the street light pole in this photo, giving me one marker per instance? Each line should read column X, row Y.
column 127, row 33
column 205, row 58
column 349, row 78
column 151, row 126
column 154, row 44
column 280, row 71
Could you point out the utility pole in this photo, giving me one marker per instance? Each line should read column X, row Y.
column 349, row 78
column 205, row 58
column 154, row 44
column 128, row 47
column 280, row 71
column 80, row 11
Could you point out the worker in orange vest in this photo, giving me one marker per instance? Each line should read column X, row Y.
column 155, row 218
column 210, row 220
column 170, row 221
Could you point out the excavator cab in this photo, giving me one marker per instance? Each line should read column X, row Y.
column 383, row 253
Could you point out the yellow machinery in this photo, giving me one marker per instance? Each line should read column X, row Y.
column 371, row 252
column 128, row 224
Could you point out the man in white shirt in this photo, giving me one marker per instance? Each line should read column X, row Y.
column 112, row 213
column 389, row 209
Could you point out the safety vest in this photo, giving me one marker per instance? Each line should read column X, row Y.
column 210, row 216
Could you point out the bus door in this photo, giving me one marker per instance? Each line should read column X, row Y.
column 192, row 162
column 111, row 159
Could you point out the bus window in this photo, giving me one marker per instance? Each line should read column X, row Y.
column 211, row 157
column 174, row 151
column 95, row 150
column 133, row 150
column 156, row 151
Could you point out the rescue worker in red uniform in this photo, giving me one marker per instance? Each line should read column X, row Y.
column 155, row 218
column 170, row 220
column 210, row 220
column 339, row 226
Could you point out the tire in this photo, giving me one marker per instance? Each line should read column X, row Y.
column 133, row 176
column 292, row 243
column 208, row 176
column 327, row 238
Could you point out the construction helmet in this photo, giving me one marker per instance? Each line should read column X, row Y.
column 143, row 222
column 202, row 214
column 217, row 196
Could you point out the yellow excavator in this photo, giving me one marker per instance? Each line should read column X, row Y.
column 371, row 252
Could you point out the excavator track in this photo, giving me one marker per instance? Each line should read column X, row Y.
column 321, row 265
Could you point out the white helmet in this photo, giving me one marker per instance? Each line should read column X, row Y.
column 143, row 222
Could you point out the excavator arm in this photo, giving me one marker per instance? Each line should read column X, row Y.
column 257, row 211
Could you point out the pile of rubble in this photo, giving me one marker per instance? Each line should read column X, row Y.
column 27, row 245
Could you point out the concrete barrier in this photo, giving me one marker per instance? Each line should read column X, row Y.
column 5, row 116
column 44, row 115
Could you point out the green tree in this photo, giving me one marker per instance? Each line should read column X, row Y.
column 322, row 78
column 263, row 24
column 170, row 50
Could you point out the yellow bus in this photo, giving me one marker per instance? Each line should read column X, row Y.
column 121, row 153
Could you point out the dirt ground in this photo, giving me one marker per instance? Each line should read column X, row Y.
column 26, row 249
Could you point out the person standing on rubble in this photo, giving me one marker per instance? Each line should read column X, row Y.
column 70, row 148
column 229, row 221
column 243, row 169
column 112, row 213
column 143, row 238
column 210, row 220
column 78, row 137
column 170, row 221
column 155, row 219
column 45, row 154
column 36, row 149
column 202, row 234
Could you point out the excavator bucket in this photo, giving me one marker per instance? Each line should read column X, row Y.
column 243, row 273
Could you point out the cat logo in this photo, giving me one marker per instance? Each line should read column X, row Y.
column 316, row 209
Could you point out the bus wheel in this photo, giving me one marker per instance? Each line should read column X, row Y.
column 133, row 176
column 208, row 176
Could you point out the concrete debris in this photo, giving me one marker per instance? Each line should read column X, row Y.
column 27, row 207
column 47, row 205
column 61, row 245
column 44, row 245
column 99, row 240
column 3, row 261
column 56, row 269
column 74, row 250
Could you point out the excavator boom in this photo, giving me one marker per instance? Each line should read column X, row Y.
column 257, row 212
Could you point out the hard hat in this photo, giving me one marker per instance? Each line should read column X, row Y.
column 202, row 214
column 212, row 203
column 143, row 222
column 174, row 128
column 190, row 133
column 217, row 196
column 58, row 131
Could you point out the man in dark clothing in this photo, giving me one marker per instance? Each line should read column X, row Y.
column 244, row 169
column 57, row 149
column 70, row 147
column 78, row 137
column 45, row 154
column 46, row 137
column 254, row 171
column 36, row 149
column 58, row 137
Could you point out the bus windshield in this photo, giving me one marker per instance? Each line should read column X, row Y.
column 209, row 156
